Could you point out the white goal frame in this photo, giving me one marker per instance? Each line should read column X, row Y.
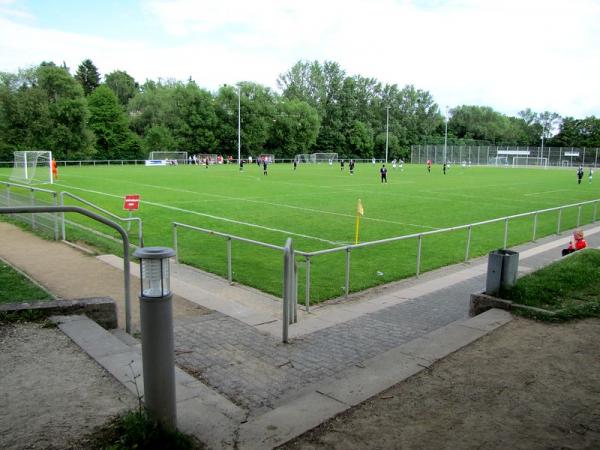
column 180, row 157
column 527, row 161
column 32, row 167
column 323, row 157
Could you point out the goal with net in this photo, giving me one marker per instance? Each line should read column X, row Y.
column 302, row 157
column 323, row 157
column 32, row 167
column 180, row 157
column 530, row 161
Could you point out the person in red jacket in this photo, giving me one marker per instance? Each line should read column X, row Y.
column 577, row 243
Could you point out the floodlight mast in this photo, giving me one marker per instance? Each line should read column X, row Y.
column 387, row 131
column 239, row 126
column 446, row 136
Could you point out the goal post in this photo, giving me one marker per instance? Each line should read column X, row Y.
column 324, row 157
column 32, row 167
column 527, row 161
column 180, row 157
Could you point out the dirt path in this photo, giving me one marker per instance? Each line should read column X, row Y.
column 528, row 385
column 69, row 273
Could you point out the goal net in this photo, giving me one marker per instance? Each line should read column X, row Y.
column 180, row 157
column 302, row 157
column 323, row 157
column 32, row 167
column 530, row 161
column 267, row 158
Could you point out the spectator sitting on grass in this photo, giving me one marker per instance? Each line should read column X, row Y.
column 577, row 243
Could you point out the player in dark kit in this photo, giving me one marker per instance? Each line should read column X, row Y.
column 295, row 164
column 444, row 168
column 383, row 172
column 579, row 174
column 342, row 164
column 241, row 165
column 264, row 166
column 351, row 165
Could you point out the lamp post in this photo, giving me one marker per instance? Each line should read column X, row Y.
column 239, row 89
column 387, row 131
column 156, row 317
column 446, row 137
column 544, row 132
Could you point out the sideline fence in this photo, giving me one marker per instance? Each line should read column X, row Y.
column 419, row 237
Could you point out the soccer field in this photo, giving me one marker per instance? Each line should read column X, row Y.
column 316, row 206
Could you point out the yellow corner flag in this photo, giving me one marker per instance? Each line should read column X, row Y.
column 359, row 212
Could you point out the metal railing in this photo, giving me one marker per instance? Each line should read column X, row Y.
column 33, row 199
column 98, row 218
column 418, row 236
column 128, row 220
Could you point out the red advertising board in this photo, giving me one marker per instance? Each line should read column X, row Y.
column 132, row 202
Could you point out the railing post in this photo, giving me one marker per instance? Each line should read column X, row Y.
column 595, row 208
column 294, row 289
column 175, row 246
column 468, row 243
column 419, row 246
column 535, row 219
column 32, row 197
column 64, row 230
column 347, row 287
column 229, row 271
column 55, row 217
column 307, row 301
column 505, row 232
column 578, row 216
column 287, row 289
column 559, row 217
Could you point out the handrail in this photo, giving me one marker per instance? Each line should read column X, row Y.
column 33, row 190
column 108, row 213
column 99, row 218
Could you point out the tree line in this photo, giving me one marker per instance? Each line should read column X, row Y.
column 320, row 109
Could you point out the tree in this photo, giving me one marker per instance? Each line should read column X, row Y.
column 295, row 128
column 123, row 85
column 109, row 123
column 88, row 76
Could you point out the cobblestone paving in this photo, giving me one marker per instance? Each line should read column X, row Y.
column 257, row 371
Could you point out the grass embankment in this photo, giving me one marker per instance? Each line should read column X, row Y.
column 15, row 287
column 570, row 288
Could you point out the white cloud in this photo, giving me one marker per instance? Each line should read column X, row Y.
column 508, row 55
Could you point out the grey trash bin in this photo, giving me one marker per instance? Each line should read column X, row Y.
column 502, row 270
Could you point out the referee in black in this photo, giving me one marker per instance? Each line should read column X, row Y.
column 383, row 172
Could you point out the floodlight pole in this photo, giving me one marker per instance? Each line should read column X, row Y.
column 543, row 132
column 387, row 131
column 446, row 136
column 239, row 125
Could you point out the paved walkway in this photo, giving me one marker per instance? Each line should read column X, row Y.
column 260, row 392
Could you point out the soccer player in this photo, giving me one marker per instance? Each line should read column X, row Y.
column 394, row 163
column 241, row 165
column 579, row 174
column 342, row 164
column 590, row 175
column 444, row 168
column 55, row 171
column 428, row 165
column 351, row 165
column 264, row 166
column 295, row 164
column 383, row 173
column 401, row 165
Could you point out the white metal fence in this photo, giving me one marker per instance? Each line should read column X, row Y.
column 418, row 237
column 503, row 155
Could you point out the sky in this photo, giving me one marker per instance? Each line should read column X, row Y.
column 505, row 54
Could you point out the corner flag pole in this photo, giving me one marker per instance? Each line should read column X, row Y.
column 359, row 212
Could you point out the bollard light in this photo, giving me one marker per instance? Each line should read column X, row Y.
column 156, row 319
column 154, row 271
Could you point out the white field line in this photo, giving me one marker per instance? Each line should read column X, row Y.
column 283, row 205
column 547, row 192
column 224, row 219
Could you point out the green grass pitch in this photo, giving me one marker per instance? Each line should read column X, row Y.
column 316, row 206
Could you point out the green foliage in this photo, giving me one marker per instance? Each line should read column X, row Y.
column 137, row 430
column 570, row 287
column 123, row 85
column 87, row 76
column 109, row 123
